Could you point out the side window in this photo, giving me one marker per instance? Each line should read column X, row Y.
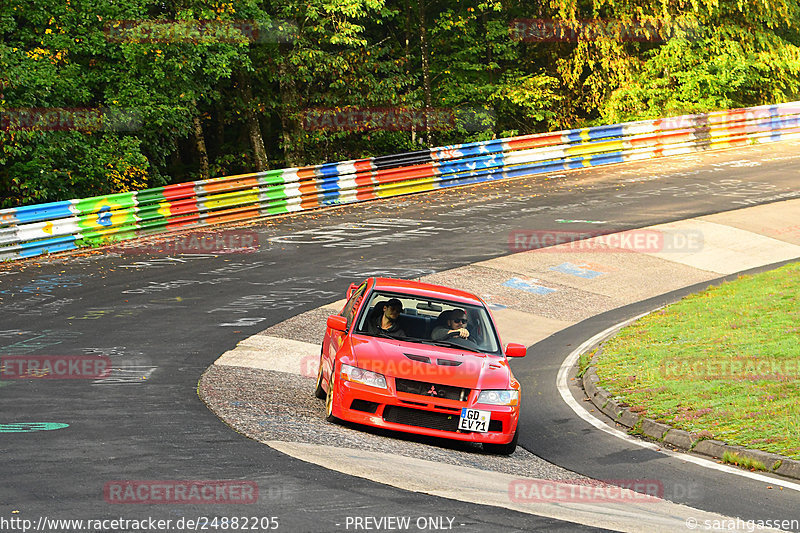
column 369, row 311
column 351, row 307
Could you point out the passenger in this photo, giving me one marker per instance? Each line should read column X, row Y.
column 475, row 326
column 386, row 322
column 456, row 326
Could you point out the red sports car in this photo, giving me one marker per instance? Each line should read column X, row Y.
column 420, row 358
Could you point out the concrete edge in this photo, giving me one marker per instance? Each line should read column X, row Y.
column 497, row 489
column 679, row 439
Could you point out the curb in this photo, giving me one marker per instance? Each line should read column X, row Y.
column 619, row 412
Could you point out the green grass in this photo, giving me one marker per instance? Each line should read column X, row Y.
column 724, row 363
column 745, row 462
column 583, row 362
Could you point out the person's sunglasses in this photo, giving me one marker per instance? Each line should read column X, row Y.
column 460, row 320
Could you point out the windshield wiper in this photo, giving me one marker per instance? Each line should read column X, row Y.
column 451, row 344
column 443, row 342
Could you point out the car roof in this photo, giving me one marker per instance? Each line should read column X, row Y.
column 425, row 290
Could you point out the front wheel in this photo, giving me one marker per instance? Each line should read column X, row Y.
column 329, row 398
column 319, row 392
column 501, row 449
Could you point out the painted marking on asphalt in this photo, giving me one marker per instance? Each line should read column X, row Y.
column 46, row 284
column 566, row 395
column 582, row 270
column 28, row 427
column 493, row 303
column 575, row 221
column 243, row 322
column 43, row 339
column 159, row 262
column 528, row 285
column 288, row 298
column 153, row 286
column 11, row 333
column 36, row 305
column 127, row 374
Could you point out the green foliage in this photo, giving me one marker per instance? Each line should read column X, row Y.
column 197, row 81
column 116, row 164
column 530, row 99
column 708, row 74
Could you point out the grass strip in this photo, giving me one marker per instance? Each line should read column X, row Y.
column 723, row 363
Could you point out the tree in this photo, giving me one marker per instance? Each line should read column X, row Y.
column 99, row 97
column 61, row 136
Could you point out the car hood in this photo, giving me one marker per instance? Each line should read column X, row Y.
column 432, row 364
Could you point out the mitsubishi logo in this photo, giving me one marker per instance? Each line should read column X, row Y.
column 432, row 392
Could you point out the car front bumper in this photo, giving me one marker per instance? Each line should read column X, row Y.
column 418, row 414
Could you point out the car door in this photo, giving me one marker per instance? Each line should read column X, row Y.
column 334, row 338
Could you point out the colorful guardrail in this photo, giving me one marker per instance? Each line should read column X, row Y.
column 53, row 227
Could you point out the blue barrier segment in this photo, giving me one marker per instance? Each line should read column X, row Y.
column 57, row 244
column 41, row 212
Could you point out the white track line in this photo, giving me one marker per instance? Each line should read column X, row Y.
column 566, row 395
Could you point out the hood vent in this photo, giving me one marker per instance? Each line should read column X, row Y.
column 427, row 360
column 418, row 358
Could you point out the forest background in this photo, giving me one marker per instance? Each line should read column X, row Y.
column 102, row 96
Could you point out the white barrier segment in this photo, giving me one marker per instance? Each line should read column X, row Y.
column 45, row 230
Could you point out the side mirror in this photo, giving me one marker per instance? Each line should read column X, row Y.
column 515, row 350
column 351, row 289
column 339, row 323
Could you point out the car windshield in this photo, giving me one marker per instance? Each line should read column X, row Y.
column 430, row 321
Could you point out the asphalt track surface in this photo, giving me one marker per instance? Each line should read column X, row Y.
column 163, row 318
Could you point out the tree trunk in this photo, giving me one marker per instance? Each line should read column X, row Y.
column 253, row 127
column 291, row 132
column 426, row 74
column 219, row 125
column 489, row 55
column 200, row 145
column 409, row 24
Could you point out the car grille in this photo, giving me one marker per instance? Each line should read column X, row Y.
column 418, row 418
column 428, row 389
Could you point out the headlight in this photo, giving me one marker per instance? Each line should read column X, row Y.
column 365, row 377
column 499, row 397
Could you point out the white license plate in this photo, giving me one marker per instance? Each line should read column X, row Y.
column 474, row 420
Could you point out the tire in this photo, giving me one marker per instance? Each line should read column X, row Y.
column 502, row 449
column 329, row 397
column 319, row 392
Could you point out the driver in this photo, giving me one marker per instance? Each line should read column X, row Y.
column 456, row 327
